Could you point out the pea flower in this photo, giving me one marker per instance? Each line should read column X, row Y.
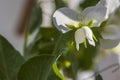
column 66, row 19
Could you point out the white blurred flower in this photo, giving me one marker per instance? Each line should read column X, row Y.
column 111, row 5
column 66, row 19
column 85, row 75
column 111, row 31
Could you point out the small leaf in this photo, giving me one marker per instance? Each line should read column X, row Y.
column 10, row 60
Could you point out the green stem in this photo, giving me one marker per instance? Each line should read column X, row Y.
column 25, row 41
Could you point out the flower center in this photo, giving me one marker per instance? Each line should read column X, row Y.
column 87, row 34
column 81, row 24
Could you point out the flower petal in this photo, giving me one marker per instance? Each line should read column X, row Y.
column 111, row 32
column 64, row 16
column 97, row 13
column 112, row 5
column 79, row 37
column 81, row 34
column 106, row 43
column 89, row 35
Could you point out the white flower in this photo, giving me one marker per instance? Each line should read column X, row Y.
column 91, row 17
column 111, row 31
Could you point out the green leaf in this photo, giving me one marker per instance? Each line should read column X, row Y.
column 35, row 19
column 87, row 3
column 36, row 68
column 98, row 77
column 10, row 60
column 57, row 72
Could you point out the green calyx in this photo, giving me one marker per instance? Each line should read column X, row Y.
column 81, row 24
column 91, row 23
column 71, row 26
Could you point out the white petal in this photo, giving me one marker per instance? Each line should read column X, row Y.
column 88, row 34
column 97, row 13
column 110, row 4
column 64, row 16
column 79, row 37
column 111, row 32
column 106, row 43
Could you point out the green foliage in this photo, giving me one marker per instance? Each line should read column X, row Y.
column 10, row 60
column 60, row 3
column 36, row 68
column 45, row 38
column 87, row 3
column 35, row 19
column 43, row 63
column 87, row 57
column 52, row 76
